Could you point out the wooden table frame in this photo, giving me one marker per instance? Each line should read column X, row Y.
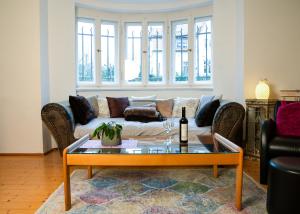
column 142, row 160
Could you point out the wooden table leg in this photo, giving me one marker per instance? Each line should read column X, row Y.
column 215, row 171
column 239, row 183
column 90, row 172
column 67, row 189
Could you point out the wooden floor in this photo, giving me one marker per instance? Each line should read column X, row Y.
column 27, row 181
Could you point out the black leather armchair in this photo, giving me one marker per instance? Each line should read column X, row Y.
column 273, row 146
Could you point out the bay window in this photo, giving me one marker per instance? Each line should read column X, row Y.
column 180, row 51
column 109, row 51
column 146, row 53
column 202, row 57
column 155, row 52
column 133, row 59
column 85, row 51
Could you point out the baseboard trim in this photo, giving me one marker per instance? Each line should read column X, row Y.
column 27, row 154
column 51, row 150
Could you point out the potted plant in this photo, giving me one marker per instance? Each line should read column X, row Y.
column 110, row 133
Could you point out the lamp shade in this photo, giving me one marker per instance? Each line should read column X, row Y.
column 262, row 90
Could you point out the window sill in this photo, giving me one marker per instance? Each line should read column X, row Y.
column 144, row 88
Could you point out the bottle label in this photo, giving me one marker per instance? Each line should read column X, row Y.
column 184, row 132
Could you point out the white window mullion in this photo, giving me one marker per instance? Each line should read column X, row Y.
column 190, row 50
column 122, row 49
column 166, row 53
column 98, row 52
column 144, row 54
column 170, row 54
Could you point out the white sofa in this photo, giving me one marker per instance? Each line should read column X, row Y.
column 58, row 117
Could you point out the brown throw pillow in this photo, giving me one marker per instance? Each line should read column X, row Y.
column 117, row 105
column 165, row 107
column 142, row 111
column 82, row 109
column 142, row 114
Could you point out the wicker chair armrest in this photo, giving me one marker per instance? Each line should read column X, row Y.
column 59, row 119
column 228, row 121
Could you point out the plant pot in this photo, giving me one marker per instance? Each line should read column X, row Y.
column 106, row 141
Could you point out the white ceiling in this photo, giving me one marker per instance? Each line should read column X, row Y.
column 142, row 6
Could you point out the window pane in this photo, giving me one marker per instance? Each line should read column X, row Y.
column 180, row 51
column 85, row 51
column 202, row 50
column 133, row 61
column 155, row 53
column 108, row 52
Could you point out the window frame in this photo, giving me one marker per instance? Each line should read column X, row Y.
column 86, row 83
column 164, row 50
column 117, row 55
column 171, row 51
column 203, row 18
column 125, row 24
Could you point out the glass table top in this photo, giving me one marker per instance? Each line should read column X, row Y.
column 152, row 146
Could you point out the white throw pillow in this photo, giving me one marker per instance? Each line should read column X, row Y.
column 152, row 97
column 103, row 107
column 190, row 105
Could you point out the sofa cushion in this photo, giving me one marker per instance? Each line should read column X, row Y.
column 205, row 115
column 103, row 107
column 144, row 111
column 133, row 129
column 190, row 105
column 143, row 114
column 165, row 107
column 152, row 97
column 82, row 110
column 94, row 103
column 117, row 105
column 143, row 101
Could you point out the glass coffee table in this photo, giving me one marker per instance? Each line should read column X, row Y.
column 204, row 150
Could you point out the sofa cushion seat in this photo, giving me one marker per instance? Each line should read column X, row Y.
column 284, row 146
column 132, row 129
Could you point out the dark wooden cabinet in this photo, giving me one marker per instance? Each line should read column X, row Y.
column 256, row 112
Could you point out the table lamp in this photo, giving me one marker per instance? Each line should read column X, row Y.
column 262, row 90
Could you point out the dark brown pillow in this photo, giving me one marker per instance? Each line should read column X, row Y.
column 142, row 111
column 117, row 105
column 82, row 109
column 142, row 114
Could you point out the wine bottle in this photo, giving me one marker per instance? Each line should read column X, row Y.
column 183, row 128
column 183, row 148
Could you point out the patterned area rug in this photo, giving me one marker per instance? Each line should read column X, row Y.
column 159, row 191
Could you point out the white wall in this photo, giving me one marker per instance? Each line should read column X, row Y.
column 37, row 66
column 61, row 52
column 228, row 49
column 20, row 88
column 61, row 34
column 272, row 45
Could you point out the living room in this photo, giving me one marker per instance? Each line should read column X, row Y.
column 159, row 50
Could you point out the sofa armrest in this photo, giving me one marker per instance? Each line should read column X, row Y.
column 59, row 119
column 228, row 121
column 268, row 131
